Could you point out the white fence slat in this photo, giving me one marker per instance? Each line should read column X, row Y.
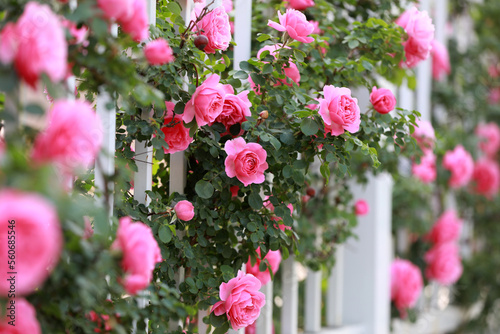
column 440, row 20
column 367, row 271
column 335, row 290
column 424, row 77
column 289, row 286
column 264, row 323
column 312, row 319
column 242, row 31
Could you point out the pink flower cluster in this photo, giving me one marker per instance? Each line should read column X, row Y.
column 176, row 134
column 420, row 30
column 339, row 110
column 36, row 44
column 131, row 14
column 295, row 24
column 406, row 284
column 274, row 259
column 241, row 300
column 461, row 165
column 446, row 229
column 246, row 162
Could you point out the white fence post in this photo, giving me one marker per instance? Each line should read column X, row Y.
column 335, row 290
column 289, row 287
column 424, row 76
column 242, row 31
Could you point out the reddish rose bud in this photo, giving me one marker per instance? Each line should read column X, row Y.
column 201, row 42
column 264, row 114
column 310, row 192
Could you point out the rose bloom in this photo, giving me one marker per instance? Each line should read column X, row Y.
column 36, row 44
column 26, row 322
column 300, row 4
column 140, row 254
column 339, row 110
column 443, row 263
column 38, row 241
column 489, row 138
column 426, row 170
column 215, row 26
column 383, row 100
column 79, row 34
column 291, row 70
column 241, row 300
column 206, row 103
column 184, row 210
column 245, row 161
column 486, row 177
column 295, row 24
column 461, row 165
column 117, row 9
column 361, row 207
column 424, row 135
column 137, row 25
column 235, row 110
column 440, row 60
column 72, row 138
column 494, row 95
column 406, row 284
column 418, row 25
column 176, row 136
column 274, row 259
column 228, row 5
column 447, row 228
column 158, row 52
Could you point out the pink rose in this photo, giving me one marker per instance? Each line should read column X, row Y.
column 215, row 26
column 241, row 300
column 36, row 44
column 245, row 161
column 489, row 136
column 361, row 207
column 235, row 110
column 206, row 103
column 339, row 110
column 117, row 9
column 447, row 228
column 79, row 34
column 316, row 30
column 493, row 71
column 184, row 210
column 72, row 138
column 443, row 263
column 426, row 170
column 420, row 30
column 291, row 70
column 176, row 134
column 274, row 259
column 440, row 60
column 383, row 100
column 137, row 25
column 234, row 191
column 424, row 135
column 228, row 5
column 158, row 52
column 494, row 95
column 295, row 24
column 486, row 177
column 461, row 165
column 26, row 322
column 140, row 254
column 38, row 239
column 406, row 284
column 300, row 4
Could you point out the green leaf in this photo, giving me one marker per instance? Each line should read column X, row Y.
column 165, row 234
column 309, row 127
column 174, row 8
column 263, row 37
column 223, row 329
column 255, row 201
column 34, row 109
column 204, row 189
column 325, row 171
column 240, row 75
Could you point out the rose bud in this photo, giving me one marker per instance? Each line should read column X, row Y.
column 310, row 192
column 264, row 114
column 201, row 42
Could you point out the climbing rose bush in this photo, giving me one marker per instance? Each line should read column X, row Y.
column 461, row 165
column 176, row 134
column 443, row 263
column 26, row 321
column 38, row 239
column 246, row 162
column 241, row 300
column 274, row 259
column 446, row 229
column 295, row 24
column 339, row 110
column 406, row 284
column 383, row 100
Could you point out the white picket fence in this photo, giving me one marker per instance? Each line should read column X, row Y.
column 357, row 300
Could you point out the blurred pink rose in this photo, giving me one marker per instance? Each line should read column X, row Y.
column 140, row 254
column 72, row 138
column 418, row 25
column 295, row 24
column 158, row 52
column 228, row 5
column 236, row 109
column 489, row 138
column 36, row 44
column 361, row 207
column 443, row 263
column 494, row 95
column 300, row 4
column 137, row 25
column 493, row 71
column 117, row 9
column 252, row 330
column 426, row 170
column 486, row 177
column 406, row 284
column 424, row 135
column 176, row 134
column 461, row 165
column 274, row 259
column 79, row 34
column 98, row 319
column 291, row 70
column 215, row 26
column 241, row 300
column 339, row 110
column 316, row 30
column 38, row 239
column 25, row 315
column 440, row 60
column 88, row 231
column 245, row 161
column 206, row 103
column 184, row 210
column 447, row 228
column 383, row 100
